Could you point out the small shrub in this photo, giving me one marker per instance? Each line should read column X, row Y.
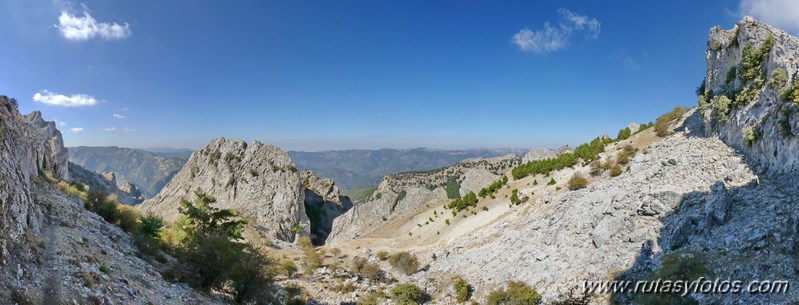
column 404, row 262
column 371, row 298
column 288, row 268
column 778, row 79
column 463, row 291
column 127, row 218
column 517, row 293
column 552, row 182
column 628, row 151
column 382, row 255
column 514, row 197
column 105, row 269
column 150, row 226
column 663, row 123
column 253, row 173
column 623, row 134
column 750, row 135
column 731, row 75
column 453, row 188
column 408, row 294
column 577, row 182
column 311, row 259
column 615, row 170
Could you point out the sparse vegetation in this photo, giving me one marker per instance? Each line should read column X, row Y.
column 721, row 107
column 778, row 79
column 750, row 135
column 493, row 187
column 408, row 294
column 366, row 269
column 624, row 134
column 675, row 266
column 371, row 298
column 517, row 293
column 311, row 259
column 382, row 255
column 514, row 197
column 663, row 123
column 577, row 182
column 615, row 170
column 587, row 152
column 463, row 291
column 457, row 205
column 404, row 262
column 551, row 182
column 627, row 152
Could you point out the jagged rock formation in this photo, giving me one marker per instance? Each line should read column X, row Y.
column 53, row 251
column 259, row 181
column 399, row 195
column 323, row 204
column 763, row 124
column 124, row 191
column 538, row 154
column 147, row 170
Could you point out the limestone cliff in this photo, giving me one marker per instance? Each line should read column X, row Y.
column 323, row 204
column 52, row 250
column 259, row 181
column 759, row 118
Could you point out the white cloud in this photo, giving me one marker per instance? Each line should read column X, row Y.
column 79, row 28
column 128, row 130
column 110, row 129
column 118, row 116
column 780, row 13
column 75, row 100
column 59, row 122
column 76, row 130
column 553, row 38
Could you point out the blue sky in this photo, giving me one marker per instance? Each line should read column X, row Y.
column 315, row 75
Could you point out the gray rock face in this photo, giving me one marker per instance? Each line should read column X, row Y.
column 634, row 127
column 323, row 204
column 538, row 154
column 51, row 248
column 773, row 119
column 259, row 181
column 27, row 141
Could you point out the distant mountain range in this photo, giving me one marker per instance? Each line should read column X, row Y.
column 357, row 168
column 147, row 170
column 150, row 169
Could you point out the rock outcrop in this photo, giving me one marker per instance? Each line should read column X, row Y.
column 124, row 191
column 323, row 204
column 259, row 181
column 400, row 194
column 52, row 250
column 761, row 119
column 538, row 154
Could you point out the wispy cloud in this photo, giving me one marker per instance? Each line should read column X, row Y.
column 118, row 116
column 109, row 129
column 553, row 38
column 780, row 13
column 79, row 28
column 627, row 60
column 75, row 100
column 128, row 130
column 76, row 130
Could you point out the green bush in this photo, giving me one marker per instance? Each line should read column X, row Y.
column 552, row 181
column 615, row 170
column 778, row 79
column 360, row 265
column 457, row 205
column 382, row 255
column 514, row 197
column 493, row 187
column 586, row 152
column 731, row 75
column 213, row 256
column 463, row 291
column 721, row 107
column 623, row 134
column 676, row 266
column 151, row 226
column 517, row 293
column 577, row 182
column 750, row 135
column 663, row 123
column 404, row 262
column 288, row 267
column 453, row 188
column 408, row 294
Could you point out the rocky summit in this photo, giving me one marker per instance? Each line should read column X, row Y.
column 258, row 181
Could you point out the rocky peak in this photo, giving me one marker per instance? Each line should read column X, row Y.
column 746, row 99
column 323, row 204
column 259, row 181
column 538, row 154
